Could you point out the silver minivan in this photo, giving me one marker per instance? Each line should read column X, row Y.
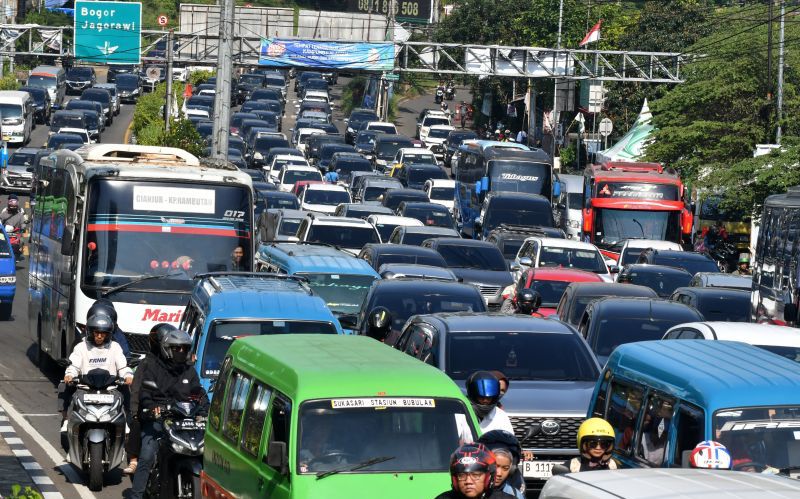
column 51, row 78
column 569, row 207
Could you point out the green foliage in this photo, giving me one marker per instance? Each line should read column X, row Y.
column 183, row 135
column 48, row 18
column 148, row 110
column 9, row 82
column 17, row 492
column 353, row 94
column 198, row 77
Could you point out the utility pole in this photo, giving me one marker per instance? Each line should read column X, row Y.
column 769, row 50
column 168, row 105
column 780, row 72
column 222, row 102
column 555, row 80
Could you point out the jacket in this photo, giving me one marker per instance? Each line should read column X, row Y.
column 17, row 220
column 136, row 386
column 85, row 357
column 120, row 338
column 495, row 494
column 577, row 464
column 175, row 383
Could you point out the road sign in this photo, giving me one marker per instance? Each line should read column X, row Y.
column 108, row 31
column 153, row 73
column 163, row 20
column 606, row 126
column 391, row 76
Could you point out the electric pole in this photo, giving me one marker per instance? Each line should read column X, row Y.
column 555, row 80
column 769, row 50
column 780, row 72
column 168, row 105
column 222, row 102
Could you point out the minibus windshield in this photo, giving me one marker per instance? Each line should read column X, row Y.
column 760, row 438
column 342, row 293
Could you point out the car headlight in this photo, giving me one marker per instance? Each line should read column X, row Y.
column 350, row 130
column 573, row 224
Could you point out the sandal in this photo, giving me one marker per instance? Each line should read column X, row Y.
column 131, row 469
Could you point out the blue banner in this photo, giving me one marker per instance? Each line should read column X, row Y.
column 318, row 54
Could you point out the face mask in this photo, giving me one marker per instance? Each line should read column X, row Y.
column 179, row 357
column 482, row 410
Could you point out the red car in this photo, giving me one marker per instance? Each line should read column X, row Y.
column 551, row 282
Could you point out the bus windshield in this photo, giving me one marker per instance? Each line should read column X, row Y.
column 519, row 176
column 137, row 229
column 612, row 226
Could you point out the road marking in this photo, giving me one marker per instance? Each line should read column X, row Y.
column 55, row 456
column 42, row 415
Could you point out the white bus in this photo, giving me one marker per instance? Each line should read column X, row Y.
column 133, row 224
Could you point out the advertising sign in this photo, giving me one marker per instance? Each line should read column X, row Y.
column 318, row 54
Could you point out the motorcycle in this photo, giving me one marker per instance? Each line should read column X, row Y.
column 450, row 92
column 179, row 461
column 725, row 255
column 96, row 425
column 439, row 94
column 15, row 239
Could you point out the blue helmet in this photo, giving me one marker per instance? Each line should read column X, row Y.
column 483, row 384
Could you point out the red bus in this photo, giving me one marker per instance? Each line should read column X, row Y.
column 633, row 201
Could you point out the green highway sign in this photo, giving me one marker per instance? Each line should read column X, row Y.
column 391, row 76
column 108, row 32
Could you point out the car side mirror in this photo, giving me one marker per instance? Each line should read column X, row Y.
column 614, row 269
column 515, row 267
column 789, row 312
column 525, row 261
column 348, row 321
column 277, row 457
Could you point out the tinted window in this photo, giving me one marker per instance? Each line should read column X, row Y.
column 215, row 409
column 403, row 303
column 725, row 308
column 472, row 257
column 551, row 291
column 693, row 264
column 526, row 215
column 431, row 216
column 127, row 81
column 655, row 429
column 691, row 430
column 614, row 331
column 434, row 260
column 623, row 410
column 326, row 197
column 342, row 293
column 281, row 201
column 293, row 176
column 572, row 258
column 345, row 237
column 662, row 283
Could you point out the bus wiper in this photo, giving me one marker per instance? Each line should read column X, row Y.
column 640, row 226
column 136, row 281
column 363, row 464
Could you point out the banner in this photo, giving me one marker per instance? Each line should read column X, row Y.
column 318, row 54
column 51, row 38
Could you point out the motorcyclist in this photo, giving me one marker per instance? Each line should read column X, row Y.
column 176, row 380
column 96, row 351
column 525, row 302
column 508, row 454
column 106, row 306
column 331, row 176
column 472, row 472
column 711, row 455
column 380, row 323
column 743, row 265
column 483, row 391
column 595, row 443
column 12, row 214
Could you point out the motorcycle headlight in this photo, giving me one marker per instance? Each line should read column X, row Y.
column 573, row 224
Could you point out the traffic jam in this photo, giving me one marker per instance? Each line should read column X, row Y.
column 342, row 310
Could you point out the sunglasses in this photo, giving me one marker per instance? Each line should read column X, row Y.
column 603, row 444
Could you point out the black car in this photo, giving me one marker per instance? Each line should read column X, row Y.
column 454, row 139
column 104, row 98
column 359, row 117
column 688, row 260
column 380, row 254
column 512, row 209
column 414, row 176
column 85, row 105
column 393, row 197
column 302, row 78
column 326, row 152
column 364, row 143
column 430, row 214
column 261, row 147
column 509, row 238
column 115, row 70
column 80, row 78
column 716, row 304
column 345, row 163
column 266, row 94
column 578, row 295
column 41, row 100
column 609, row 322
column 315, row 143
column 129, row 86
column 360, row 210
column 406, row 298
column 279, row 199
column 660, row 278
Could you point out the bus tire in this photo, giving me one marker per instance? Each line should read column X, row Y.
column 40, row 355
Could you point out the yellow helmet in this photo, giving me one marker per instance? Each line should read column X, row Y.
column 596, row 428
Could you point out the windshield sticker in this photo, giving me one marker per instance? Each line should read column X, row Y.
column 171, row 199
column 760, row 425
column 381, row 403
column 517, row 176
column 637, row 191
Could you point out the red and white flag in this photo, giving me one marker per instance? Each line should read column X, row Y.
column 593, row 35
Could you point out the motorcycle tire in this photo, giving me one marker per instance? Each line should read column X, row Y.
column 95, row 466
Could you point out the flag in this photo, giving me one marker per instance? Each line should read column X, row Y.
column 593, row 35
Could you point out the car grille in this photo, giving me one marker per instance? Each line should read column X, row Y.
column 564, row 439
column 488, row 291
column 138, row 343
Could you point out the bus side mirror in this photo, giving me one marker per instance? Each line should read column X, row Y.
column 277, row 458
column 478, row 187
column 67, row 240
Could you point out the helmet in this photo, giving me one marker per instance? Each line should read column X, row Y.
column 99, row 322
column 473, row 458
column 483, row 384
column 104, row 306
column 744, row 258
column 444, row 105
column 157, row 333
column 175, row 339
column 710, row 454
column 595, row 428
column 501, row 439
column 528, row 301
column 380, row 323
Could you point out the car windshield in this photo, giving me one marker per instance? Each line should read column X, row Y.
column 137, row 229
column 660, row 282
column 349, row 166
column 579, row 307
column 293, row 176
column 417, row 159
column 42, row 81
column 574, row 200
column 521, row 356
column 615, row 331
column 281, row 200
column 551, row 291
column 343, row 293
column 251, row 79
column 387, row 434
column 438, row 133
column 59, row 139
column 326, row 197
column 375, row 192
column 365, row 139
column 385, row 230
column 539, row 215
column 520, row 176
column 343, row 236
column 757, row 437
column 388, row 149
column 101, row 96
column 362, row 116
column 79, row 73
column 420, row 175
column 289, row 226
column 92, row 120
column 613, row 226
column 21, row 159
column 472, row 257
column 127, row 82
column 573, row 258
column 726, row 308
column 430, row 121
column 630, row 255
column 403, row 304
column 10, row 111
column 63, row 120
column 443, row 193
column 791, row 353
column 222, row 334
column 692, row 263
column 433, row 260
column 431, row 217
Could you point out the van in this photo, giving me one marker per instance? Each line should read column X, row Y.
column 51, row 78
column 664, row 397
column 291, row 411
column 569, row 206
column 18, row 112
column 227, row 306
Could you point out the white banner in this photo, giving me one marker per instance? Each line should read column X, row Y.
column 173, row 200
column 51, row 38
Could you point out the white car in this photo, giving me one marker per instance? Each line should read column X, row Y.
column 632, row 248
column 294, row 173
column 81, row 132
column 435, row 138
column 317, row 95
column 781, row 340
column 323, row 198
column 301, row 136
column 385, row 224
column 442, row 192
column 273, row 170
column 412, row 155
column 430, row 119
column 551, row 252
column 200, row 113
column 381, row 126
column 348, row 234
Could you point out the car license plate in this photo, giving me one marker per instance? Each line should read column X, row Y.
column 98, row 398
column 538, row 469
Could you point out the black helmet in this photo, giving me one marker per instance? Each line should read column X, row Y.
column 105, row 306
column 500, row 439
column 528, row 301
column 483, row 384
column 157, row 333
column 175, row 346
column 380, row 323
column 99, row 322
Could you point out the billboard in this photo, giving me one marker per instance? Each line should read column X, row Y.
column 411, row 11
column 318, row 54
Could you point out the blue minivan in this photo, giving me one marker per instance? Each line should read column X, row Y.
column 226, row 306
column 664, row 397
column 8, row 276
